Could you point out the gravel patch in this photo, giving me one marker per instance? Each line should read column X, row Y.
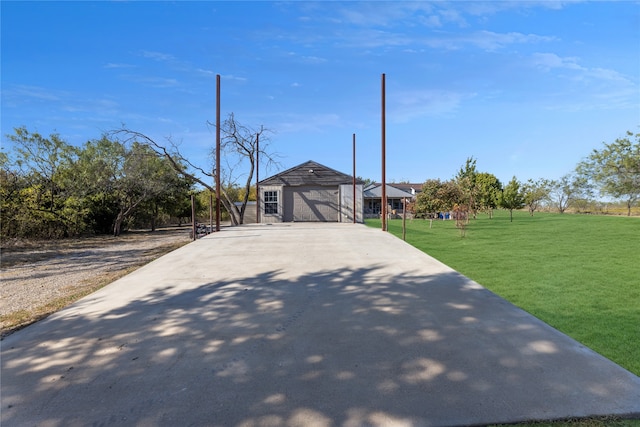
column 34, row 274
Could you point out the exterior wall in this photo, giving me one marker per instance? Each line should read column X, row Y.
column 311, row 203
column 250, row 213
column 312, row 192
column 271, row 218
column 373, row 206
column 346, row 203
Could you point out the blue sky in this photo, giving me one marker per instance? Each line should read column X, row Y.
column 527, row 88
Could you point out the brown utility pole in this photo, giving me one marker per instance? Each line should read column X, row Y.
column 193, row 218
column 218, row 152
column 355, row 204
column 404, row 218
column 257, row 179
column 384, row 158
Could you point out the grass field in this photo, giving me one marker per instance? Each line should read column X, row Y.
column 578, row 273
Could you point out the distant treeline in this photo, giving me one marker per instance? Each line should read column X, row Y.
column 51, row 189
column 612, row 172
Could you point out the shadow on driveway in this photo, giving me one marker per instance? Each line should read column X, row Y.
column 359, row 344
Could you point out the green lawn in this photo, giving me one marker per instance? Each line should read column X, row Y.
column 578, row 273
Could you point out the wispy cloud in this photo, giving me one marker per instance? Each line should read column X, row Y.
column 586, row 88
column 77, row 110
column 548, row 61
column 159, row 82
column 409, row 105
column 313, row 59
column 389, row 14
column 305, row 59
column 118, row 65
column 487, row 8
column 157, row 56
column 487, row 40
column 316, row 123
column 428, row 14
column 234, row 78
column 204, row 72
column 375, row 38
column 32, row 92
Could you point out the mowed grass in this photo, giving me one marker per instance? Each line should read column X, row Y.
column 578, row 273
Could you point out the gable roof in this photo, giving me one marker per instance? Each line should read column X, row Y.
column 409, row 187
column 309, row 173
column 374, row 191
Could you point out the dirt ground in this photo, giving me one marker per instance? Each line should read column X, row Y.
column 39, row 277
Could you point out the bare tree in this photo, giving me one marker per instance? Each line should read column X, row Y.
column 240, row 146
column 536, row 192
column 566, row 190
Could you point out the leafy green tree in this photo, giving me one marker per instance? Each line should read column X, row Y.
column 488, row 189
column 98, row 170
column 438, row 196
column 47, row 206
column 512, row 197
column 427, row 201
column 144, row 176
column 126, row 179
column 467, row 183
column 615, row 169
column 50, row 189
column 365, row 181
column 174, row 202
column 535, row 193
column 12, row 183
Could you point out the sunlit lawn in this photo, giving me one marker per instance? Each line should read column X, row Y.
column 578, row 273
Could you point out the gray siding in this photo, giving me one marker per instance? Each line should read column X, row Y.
column 346, row 203
column 312, row 192
column 271, row 218
column 314, row 204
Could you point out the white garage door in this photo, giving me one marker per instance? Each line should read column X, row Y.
column 311, row 204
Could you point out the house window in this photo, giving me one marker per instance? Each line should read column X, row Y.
column 271, row 202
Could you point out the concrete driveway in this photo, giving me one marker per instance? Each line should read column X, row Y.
column 301, row 325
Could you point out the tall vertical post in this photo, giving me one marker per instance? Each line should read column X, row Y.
column 404, row 218
column 384, row 159
column 355, row 203
column 193, row 218
column 257, row 178
column 210, row 212
column 218, row 152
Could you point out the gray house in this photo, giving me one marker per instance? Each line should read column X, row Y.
column 395, row 199
column 310, row 192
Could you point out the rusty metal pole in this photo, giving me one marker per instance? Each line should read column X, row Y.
column 218, row 152
column 257, row 178
column 384, row 178
column 355, row 204
column 404, row 218
column 193, row 217
column 210, row 212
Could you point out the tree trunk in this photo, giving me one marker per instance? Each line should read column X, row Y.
column 154, row 217
column 118, row 223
